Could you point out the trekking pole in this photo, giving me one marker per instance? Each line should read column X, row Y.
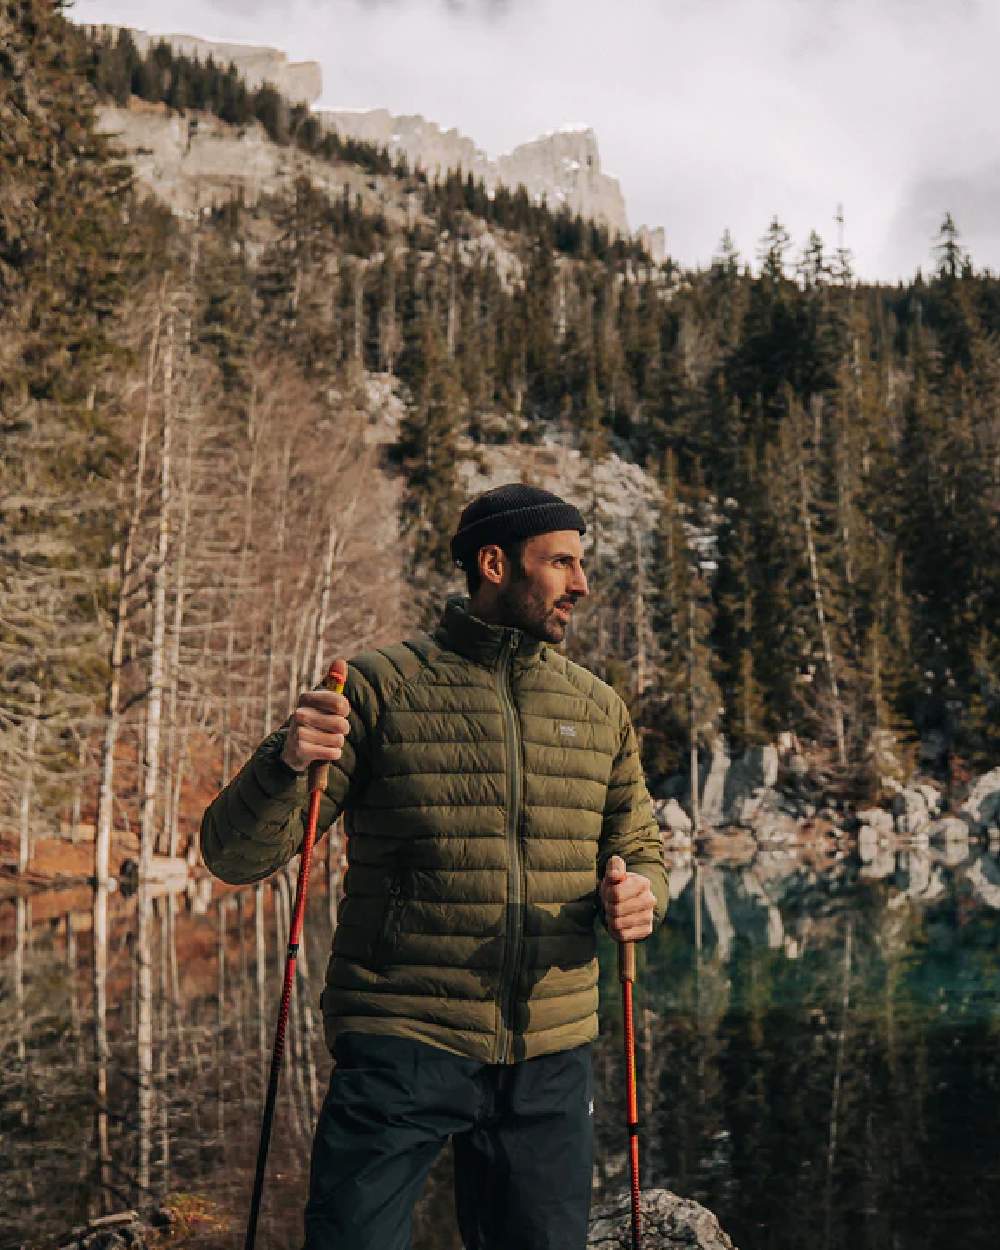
column 626, row 974
column 334, row 680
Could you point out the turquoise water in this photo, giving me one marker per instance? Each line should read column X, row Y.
column 827, row 1073
column 823, row 1072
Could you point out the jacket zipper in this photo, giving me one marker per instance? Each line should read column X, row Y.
column 515, row 865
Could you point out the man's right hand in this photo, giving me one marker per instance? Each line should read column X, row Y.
column 316, row 730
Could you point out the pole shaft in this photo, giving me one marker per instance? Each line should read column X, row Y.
column 626, row 974
column 334, row 681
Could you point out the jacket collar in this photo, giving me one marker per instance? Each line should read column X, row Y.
column 486, row 644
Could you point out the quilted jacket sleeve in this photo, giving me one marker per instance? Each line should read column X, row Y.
column 257, row 823
column 629, row 828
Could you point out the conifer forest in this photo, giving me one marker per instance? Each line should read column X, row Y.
column 235, row 443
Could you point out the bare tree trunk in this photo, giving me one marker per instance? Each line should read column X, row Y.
column 241, row 570
column 261, row 971
column 28, row 781
column 74, row 996
column 105, row 798
column 821, row 619
column 76, row 807
column 359, row 311
column 102, row 1052
column 693, row 721
column 282, row 917
column 20, row 949
column 176, row 741
column 696, row 886
column 150, row 791
column 274, row 624
column 640, row 616
column 154, row 707
column 326, row 580
column 165, row 1033
column 221, row 1023
column 838, row 1080
column 452, row 328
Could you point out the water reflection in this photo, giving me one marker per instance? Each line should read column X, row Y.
column 817, row 1044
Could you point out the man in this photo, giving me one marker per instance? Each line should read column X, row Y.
column 493, row 795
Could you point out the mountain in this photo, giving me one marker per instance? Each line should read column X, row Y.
column 299, row 81
column 563, row 168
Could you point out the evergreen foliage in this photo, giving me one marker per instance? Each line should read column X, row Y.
column 829, row 521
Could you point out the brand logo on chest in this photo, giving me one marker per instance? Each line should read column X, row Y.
column 567, row 731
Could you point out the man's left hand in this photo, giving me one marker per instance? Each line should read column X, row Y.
column 628, row 902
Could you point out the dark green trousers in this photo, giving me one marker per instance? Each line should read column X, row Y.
column 523, row 1144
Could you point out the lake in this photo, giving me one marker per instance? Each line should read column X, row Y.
column 819, row 1054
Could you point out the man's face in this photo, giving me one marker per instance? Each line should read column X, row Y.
column 539, row 596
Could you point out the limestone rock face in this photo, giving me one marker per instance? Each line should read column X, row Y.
column 563, row 167
column 654, row 240
column 668, row 1223
column 421, row 142
column 299, row 81
column 194, row 161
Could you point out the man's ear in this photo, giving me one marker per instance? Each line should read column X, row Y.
column 492, row 564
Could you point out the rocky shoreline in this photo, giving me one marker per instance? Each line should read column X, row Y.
column 772, row 796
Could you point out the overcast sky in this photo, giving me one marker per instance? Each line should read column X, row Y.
column 712, row 113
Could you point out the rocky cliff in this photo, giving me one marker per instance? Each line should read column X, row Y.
column 563, row 167
column 299, row 81
column 194, row 161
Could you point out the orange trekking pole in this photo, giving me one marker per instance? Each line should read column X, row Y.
column 626, row 974
column 334, row 680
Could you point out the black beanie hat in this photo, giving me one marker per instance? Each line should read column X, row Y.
column 508, row 514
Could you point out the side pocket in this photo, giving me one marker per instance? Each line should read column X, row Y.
column 388, row 936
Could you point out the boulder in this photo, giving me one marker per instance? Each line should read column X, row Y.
column 123, row 1231
column 749, row 782
column 668, row 1223
column 983, row 803
column 712, row 778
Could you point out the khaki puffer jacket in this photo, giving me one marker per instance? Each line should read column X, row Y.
column 486, row 782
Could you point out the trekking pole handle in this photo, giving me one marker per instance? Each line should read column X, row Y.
column 335, row 679
column 626, row 961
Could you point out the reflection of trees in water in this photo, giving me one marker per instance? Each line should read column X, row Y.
column 125, row 1080
column 847, row 1097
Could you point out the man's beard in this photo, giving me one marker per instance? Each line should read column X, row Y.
column 522, row 608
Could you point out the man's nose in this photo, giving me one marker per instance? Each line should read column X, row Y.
column 579, row 584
